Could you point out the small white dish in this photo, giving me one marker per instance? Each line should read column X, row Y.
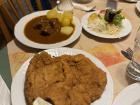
column 17, row 88
column 124, row 31
column 129, row 96
column 20, row 36
column 138, row 6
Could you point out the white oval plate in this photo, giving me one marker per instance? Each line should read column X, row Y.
column 129, row 96
column 20, row 36
column 138, row 6
column 124, row 31
column 17, row 88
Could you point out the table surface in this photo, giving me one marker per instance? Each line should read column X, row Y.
column 108, row 51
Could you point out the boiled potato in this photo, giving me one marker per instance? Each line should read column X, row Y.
column 67, row 30
column 67, row 18
column 66, row 22
column 52, row 14
column 67, row 14
column 59, row 17
column 72, row 22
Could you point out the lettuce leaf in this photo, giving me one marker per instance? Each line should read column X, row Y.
column 117, row 20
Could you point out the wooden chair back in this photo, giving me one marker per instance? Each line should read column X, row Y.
column 12, row 10
column 4, row 30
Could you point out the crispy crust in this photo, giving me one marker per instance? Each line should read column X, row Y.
column 64, row 80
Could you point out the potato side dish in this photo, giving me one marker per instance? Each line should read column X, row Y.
column 63, row 80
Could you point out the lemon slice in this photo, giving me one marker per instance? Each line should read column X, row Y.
column 40, row 101
column 92, row 17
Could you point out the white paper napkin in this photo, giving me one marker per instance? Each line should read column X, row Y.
column 4, row 93
column 82, row 6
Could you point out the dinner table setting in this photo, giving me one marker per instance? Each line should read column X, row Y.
column 102, row 37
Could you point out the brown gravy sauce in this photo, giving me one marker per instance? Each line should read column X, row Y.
column 34, row 35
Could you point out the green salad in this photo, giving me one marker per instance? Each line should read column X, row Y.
column 113, row 16
column 107, row 21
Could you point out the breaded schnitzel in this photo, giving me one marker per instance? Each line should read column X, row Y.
column 64, row 80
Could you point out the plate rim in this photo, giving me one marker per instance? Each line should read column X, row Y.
column 19, row 32
column 101, row 35
column 129, row 87
column 70, row 51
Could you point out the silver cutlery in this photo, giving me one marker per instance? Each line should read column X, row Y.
column 127, row 53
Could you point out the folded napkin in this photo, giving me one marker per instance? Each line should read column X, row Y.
column 4, row 93
column 81, row 6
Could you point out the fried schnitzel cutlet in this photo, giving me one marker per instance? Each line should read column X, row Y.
column 64, row 80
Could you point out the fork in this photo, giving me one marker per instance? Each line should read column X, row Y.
column 128, row 53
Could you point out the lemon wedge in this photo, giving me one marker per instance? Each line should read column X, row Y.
column 92, row 17
column 40, row 101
